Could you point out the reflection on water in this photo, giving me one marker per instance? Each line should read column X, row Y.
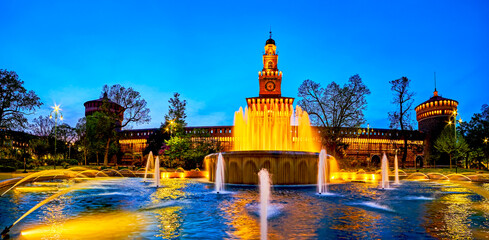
column 182, row 208
column 460, row 214
column 115, row 225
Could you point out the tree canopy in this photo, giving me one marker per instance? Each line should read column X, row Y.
column 42, row 126
column 334, row 107
column 133, row 105
column 452, row 143
column 401, row 117
column 15, row 101
column 175, row 118
column 476, row 132
column 107, row 123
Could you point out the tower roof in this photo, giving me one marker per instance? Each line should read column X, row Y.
column 270, row 41
column 435, row 98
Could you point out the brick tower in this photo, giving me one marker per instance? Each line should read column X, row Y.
column 433, row 116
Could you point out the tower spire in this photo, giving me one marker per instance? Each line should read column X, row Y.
column 435, row 93
column 270, row 31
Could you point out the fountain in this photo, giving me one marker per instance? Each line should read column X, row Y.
column 384, row 182
column 396, row 171
column 268, row 135
column 274, row 137
column 149, row 164
column 323, row 174
column 264, row 201
column 219, row 185
column 157, row 172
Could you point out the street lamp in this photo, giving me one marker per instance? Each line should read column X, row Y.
column 56, row 114
column 455, row 121
column 170, row 128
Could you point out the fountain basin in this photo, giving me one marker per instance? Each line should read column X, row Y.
column 285, row 167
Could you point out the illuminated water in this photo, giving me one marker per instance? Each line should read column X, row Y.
column 127, row 208
column 384, row 182
column 279, row 128
column 265, row 186
column 323, row 172
column 219, row 183
column 396, row 171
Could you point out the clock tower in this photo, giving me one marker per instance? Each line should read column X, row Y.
column 270, row 81
column 270, row 78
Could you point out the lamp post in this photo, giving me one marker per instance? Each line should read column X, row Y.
column 56, row 114
column 170, row 127
column 455, row 121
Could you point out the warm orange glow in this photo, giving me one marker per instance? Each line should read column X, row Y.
column 118, row 225
column 279, row 128
column 36, row 189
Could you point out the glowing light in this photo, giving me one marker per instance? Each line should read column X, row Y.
column 119, row 225
column 273, row 126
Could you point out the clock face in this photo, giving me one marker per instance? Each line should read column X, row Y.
column 270, row 86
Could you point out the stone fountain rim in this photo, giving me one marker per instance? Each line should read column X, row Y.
column 265, row 152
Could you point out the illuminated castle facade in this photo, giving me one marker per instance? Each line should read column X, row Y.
column 366, row 145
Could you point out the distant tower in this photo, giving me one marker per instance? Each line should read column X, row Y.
column 270, row 80
column 98, row 106
column 433, row 116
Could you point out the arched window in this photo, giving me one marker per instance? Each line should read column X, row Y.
column 270, row 64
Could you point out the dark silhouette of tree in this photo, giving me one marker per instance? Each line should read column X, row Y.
column 15, row 101
column 401, row 118
column 82, row 140
column 42, row 126
column 476, row 133
column 133, row 109
column 333, row 108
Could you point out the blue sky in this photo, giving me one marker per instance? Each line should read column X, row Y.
column 211, row 51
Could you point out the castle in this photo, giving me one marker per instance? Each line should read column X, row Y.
column 365, row 145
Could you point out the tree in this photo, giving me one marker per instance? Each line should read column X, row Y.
column 15, row 101
column 81, row 132
column 156, row 141
column 401, row 118
column 335, row 107
column 451, row 143
column 40, row 147
column 101, row 134
column 175, row 118
column 68, row 136
column 134, row 106
column 133, row 110
column 42, row 126
column 476, row 132
column 182, row 151
column 178, row 151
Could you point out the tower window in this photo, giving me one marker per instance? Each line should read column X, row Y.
column 270, row 64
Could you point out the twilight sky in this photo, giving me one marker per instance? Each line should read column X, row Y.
column 211, row 51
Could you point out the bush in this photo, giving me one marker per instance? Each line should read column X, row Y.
column 72, row 161
column 65, row 165
column 7, row 168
